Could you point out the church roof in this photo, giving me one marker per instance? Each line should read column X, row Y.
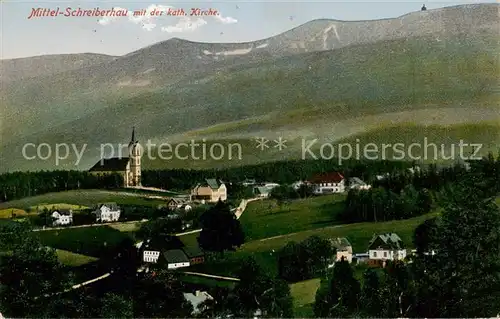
column 110, row 164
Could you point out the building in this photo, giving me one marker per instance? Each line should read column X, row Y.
column 62, row 217
column 357, row 183
column 176, row 258
column 179, row 204
column 262, row 192
column 194, row 254
column 150, row 256
column 328, row 183
column 270, row 185
column 128, row 167
column 107, row 212
column 212, row 190
column 343, row 249
column 297, row 185
column 197, row 299
column 384, row 247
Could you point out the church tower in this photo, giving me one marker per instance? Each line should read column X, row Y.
column 135, row 161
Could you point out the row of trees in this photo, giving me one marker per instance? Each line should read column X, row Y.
column 24, row 184
column 381, row 204
column 461, row 280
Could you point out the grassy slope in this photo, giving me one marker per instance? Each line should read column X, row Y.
column 68, row 258
column 262, row 250
column 485, row 133
column 297, row 91
column 81, row 197
column 263, row 219
column 90, row 241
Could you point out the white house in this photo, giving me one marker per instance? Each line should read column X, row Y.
column 197, row 300
column 262, row 192
column 297, row 185
column 387, row 246
column 270, row 185
column 343, row 249
column 62, row 217
column 328, row 183
column 357, row 183
column 151, row 256
column 176, row 258
column 107, row 212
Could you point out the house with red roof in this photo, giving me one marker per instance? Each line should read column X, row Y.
column 328, row 183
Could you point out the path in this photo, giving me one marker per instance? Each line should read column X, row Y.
column 106, row 275
column 238, row 212
column 299, row 232
column 210, row 276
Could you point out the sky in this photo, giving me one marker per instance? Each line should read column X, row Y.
column 236, row 21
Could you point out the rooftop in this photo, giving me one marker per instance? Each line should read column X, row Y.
column 175, row 256
column 110, row 165
column 334, row 177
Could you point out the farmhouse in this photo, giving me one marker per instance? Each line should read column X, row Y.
column 212, row 190
column 343, row 249
column 62, row 217
column 179, row 204
column 176, row 258
column 384, row 247
column 197, row 299
column 127, row 167
column 328, row 183
column 194, row 254
column 357, row 183
column 107, row 212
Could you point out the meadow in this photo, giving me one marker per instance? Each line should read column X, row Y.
column 89, row 241
column 266, row 218
column 265, row 250
column 82, row 198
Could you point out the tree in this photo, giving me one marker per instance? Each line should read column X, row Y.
column 31, row 272
column 159, row 229
column 339, row 297
column 160, row 295
column 426, row 236
column 370, row 295
column 467, row 271
column 257, row 291
column 115, row 306
column 221, row 230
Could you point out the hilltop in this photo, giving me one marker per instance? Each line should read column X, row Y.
column 321, row 73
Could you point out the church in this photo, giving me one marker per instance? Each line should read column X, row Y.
column 128, row 167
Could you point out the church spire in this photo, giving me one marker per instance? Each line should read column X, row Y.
column 133, row 135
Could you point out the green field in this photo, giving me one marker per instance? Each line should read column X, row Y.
column 89, row 241
column 68, row 258
column 304, row 295
column 262, row 250
column 263, row 219
column 82, row 198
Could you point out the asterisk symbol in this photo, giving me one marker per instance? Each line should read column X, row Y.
column 262, row 143
column 280, row 143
